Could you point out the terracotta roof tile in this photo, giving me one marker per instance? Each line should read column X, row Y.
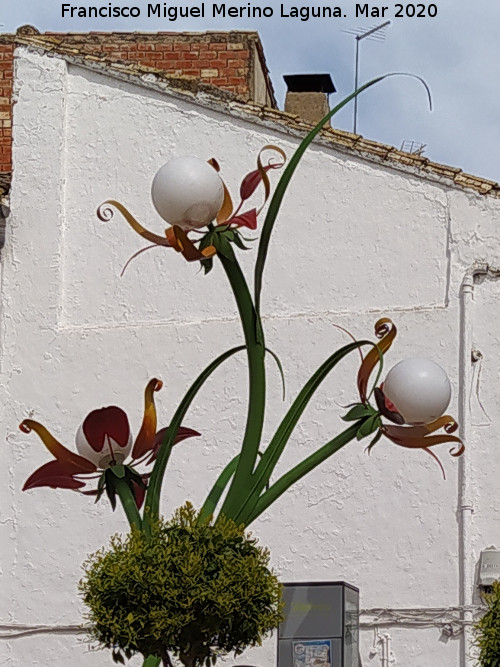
column 207, row 94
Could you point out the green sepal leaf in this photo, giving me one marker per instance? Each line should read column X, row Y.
column 110, row 488
column 130, row 617
column 100, row 487
column 132, row 475
column 374, row 441
column 359, row 411
column 118, row 657
column 207, row 240
column 239, row 242
column 118, row 470
column 207, row 264
column 224, row 247
column 369, row 426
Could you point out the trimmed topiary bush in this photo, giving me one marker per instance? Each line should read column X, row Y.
column 488, row 630
column 192, row 589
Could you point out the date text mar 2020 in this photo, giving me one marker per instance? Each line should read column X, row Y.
column 396, row 11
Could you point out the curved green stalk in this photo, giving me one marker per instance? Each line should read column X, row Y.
column 217, row 490
column 254, row 341
column 134, row 518
column 129, row 505
column 289, row 170
column 305, row 466
column 152, row 502
column 278, row 443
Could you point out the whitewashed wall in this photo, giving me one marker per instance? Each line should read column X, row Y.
column 354, row 241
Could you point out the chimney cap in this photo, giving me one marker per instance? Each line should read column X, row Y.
column 309, row 83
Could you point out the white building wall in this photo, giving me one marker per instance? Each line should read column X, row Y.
column 354, row 241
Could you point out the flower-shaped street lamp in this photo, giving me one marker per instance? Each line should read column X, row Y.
column 104, row 442
column 414, row 397
column 189, row 194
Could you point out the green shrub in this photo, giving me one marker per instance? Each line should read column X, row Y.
column 488, row 630
column 193, row 590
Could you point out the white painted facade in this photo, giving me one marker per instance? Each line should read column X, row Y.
column 355, row 240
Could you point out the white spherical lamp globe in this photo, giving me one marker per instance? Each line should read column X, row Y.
column 419, row 388
column 187, row 192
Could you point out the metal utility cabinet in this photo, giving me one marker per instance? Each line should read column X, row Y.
column 321, row 626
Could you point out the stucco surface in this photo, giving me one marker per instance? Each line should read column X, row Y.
column 354, row 241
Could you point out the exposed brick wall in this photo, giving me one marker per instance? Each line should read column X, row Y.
column 227, row 60
column 6, row 73
column 222, row 59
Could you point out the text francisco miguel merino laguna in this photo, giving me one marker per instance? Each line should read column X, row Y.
column 248, row 10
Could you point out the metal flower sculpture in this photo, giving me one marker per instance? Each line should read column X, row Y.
column 189, row 194
column 103, row 441
column 424, row 387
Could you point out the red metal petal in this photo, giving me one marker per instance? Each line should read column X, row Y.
column 139, row 494
column 247, row 219
column 111, row 421
column 431, row 453
column 182, row 433
column 54, row 474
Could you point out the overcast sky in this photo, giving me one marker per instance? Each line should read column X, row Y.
column 457, row 52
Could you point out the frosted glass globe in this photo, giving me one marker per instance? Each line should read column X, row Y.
column 187, row 192
column 419, row 388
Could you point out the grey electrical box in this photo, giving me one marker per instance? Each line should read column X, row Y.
column 321, row 625
column 489, row 566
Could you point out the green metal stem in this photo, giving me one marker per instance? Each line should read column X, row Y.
column 254, row 341
column 152, row 502
column 128, row 503
column 305, row 466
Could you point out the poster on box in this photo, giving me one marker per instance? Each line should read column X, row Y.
column 313, row 653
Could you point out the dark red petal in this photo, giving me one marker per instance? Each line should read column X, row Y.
column 251, row 181
column 139, row 494
column 182, row 433
column 54, row 474
column 247, row 219
column 110, row 421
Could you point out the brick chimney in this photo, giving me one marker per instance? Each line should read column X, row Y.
column 307, row 95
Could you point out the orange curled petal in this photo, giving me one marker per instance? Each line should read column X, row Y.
column 458, row 451
column 145, row 438
column 209, row 251
column 172, row 239
column 185, row 246
column 105, row 214
column 227, row 205
column 59, row 452
column 226, row 209
column 263, row 170
column 386, row 330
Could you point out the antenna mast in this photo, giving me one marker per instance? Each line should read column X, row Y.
column 359, row 34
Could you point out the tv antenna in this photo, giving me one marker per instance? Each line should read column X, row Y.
column 377, row 34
